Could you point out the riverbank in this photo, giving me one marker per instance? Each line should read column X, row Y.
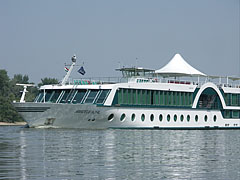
column 13, row 124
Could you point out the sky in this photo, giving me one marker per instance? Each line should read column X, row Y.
column 38, row 37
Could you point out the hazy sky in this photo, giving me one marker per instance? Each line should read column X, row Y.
column 38, row 37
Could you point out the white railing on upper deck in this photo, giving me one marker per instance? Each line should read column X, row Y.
column 199, row 81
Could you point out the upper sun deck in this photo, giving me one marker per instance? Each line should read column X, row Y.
column 176, row 73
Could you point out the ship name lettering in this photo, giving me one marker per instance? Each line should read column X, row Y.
column 87, row 112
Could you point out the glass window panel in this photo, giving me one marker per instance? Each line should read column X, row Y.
column 79, row 96
column 148, row 97
column 234, row 99
column 102, row 96
column 161, row 98
column 177, row 98
column 120, row 98
column 134, row 97
column 91, row 96
column 165, row 98
column 139, row 96
column 48, row 94
column 125, row 96
column 190, row 99
column 156, row 97
column 129, row 96
column 235, row 114
column 55, row 96
column 64, row 98
column 143, row 96
column 40, row 97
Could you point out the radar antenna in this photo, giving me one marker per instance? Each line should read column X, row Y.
column 22, row 100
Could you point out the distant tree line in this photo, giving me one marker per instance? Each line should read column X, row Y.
column 9, row 92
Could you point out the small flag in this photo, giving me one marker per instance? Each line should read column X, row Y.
column 66, row 69
column 81, row 70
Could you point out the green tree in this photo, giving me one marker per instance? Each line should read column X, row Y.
column 47, row 81
column 7, row 111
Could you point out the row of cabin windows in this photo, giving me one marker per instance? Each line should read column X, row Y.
column 168, row 117
column 232, row 99
column 154, row 97
column 73, row 96
column 234, row 114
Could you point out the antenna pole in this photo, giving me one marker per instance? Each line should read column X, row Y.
column 65, row 79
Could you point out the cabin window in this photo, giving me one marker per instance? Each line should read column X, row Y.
column 65, row 96
column 168, row 117
column 165, row 98
column 91, row 96
column 55, row 96
column 175, row 117
column 143, row 96
column 133, row 117
column 205, row 118
column 214, row 118
column 177, row 98
column 110, row 117
column 134, row 96
column 79, row 96
column 125, row 96
column 181, row 117
column 235, row 114
column 143, row 117
column 71, row 95
column 103, row 96
column 120, row 100
column 234, row 100
column 149, row 97
column 188, row 117
column 196, row 118
column 156, row 97
column 123, row 116
column 39, row 97
column 139, row 99
column 129, row 96
column 152, row 117
column 160, row 117
column 227, row 113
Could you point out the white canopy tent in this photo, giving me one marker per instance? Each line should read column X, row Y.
column 177, row 66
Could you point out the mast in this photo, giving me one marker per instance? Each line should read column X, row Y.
column 65, row 79
column 22, row 100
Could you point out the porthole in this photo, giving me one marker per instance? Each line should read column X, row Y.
column 205, row 118
column 123, row 116
column 168, row 117
column 160, row 117
column 110, row 117
column 175, row 117
column 143, row 117
column 133, row 117
column 188, row 117
column 152, row 117
column 181, row 117
column 214, row 118
column 196, row 118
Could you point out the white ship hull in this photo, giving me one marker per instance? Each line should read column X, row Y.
column 142, row 100
column 94, row 117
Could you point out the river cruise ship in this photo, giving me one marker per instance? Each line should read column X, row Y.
column 176, row 96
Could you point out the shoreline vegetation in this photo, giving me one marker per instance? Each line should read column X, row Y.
column 10, row 92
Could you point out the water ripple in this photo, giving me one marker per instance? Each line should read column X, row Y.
column 118, row 154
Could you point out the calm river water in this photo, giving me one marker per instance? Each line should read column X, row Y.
column 27, row 153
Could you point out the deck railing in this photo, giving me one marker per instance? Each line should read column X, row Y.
column 199, row 81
